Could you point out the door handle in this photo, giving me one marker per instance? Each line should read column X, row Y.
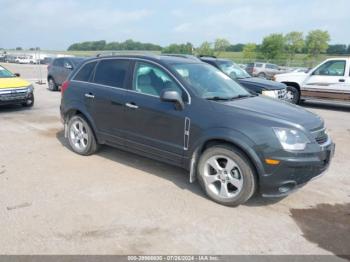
column 131, row 105
column 342, row 80
column 89, row 96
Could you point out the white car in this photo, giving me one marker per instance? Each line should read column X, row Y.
column 330, row 80
column 25, row 60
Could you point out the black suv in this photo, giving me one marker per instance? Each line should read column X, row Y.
column 253, row 84
column 59, row 69
column 190, row 114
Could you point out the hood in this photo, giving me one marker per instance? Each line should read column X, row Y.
column 292, row 74
column 13, row 82
column 276, row 110
column 261, row 83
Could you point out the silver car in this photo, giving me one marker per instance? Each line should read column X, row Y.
column 263, row 70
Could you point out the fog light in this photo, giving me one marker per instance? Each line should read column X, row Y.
column 272, row 162
column 283, row 189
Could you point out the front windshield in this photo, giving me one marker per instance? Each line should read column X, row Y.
column 210, row 83
column 5, row 73
column 232, row 69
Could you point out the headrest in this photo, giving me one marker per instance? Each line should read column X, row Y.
column 144, row 80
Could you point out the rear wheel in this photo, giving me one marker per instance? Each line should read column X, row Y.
column 80, row 136
column 293, row 95
column 226, row 175
column 52, row 85
column 262, row 75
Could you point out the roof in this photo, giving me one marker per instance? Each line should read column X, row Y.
column 167, row 59
column 210, row 58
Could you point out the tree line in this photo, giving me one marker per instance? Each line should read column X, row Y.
column 273, row 46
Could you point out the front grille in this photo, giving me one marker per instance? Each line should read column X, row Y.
column 321, row 136
column 13, row 94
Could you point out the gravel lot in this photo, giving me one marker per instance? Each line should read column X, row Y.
column 54, row 201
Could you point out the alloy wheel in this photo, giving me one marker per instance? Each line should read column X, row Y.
column 78, row 135
column 223, row 177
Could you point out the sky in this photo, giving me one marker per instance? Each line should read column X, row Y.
column 56, row 24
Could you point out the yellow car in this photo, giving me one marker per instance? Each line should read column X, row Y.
column 14, row 90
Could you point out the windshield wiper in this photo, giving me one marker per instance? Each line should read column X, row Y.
column 240, row 96
column 218, row 98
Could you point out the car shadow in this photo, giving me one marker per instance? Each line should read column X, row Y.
column 176, row 175
column 326, row 106
column 12, row 108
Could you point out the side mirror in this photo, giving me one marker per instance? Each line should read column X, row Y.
column 170, row 95
column 17, row 74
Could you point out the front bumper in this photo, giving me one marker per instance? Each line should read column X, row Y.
column 277, row 93
column 294, row 172
column 15, row 95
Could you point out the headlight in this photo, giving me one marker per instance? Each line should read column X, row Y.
column 291, row 139
column 30, row 89
column 270, row 93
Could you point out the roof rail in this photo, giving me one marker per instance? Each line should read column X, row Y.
column 182, row 56
column 125, row 52
column 211, row 56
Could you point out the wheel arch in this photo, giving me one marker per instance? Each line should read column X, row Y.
column 76, row 111
column 243, row 145
column 294, row 84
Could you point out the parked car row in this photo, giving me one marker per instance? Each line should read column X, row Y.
column 24, row 59
column 206, row 115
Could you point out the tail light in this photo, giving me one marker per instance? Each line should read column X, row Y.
column 64, row 87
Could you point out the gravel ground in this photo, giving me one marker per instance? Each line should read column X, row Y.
column 53, row 201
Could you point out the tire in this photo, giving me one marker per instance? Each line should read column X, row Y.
column 231, row 182
column 262, row 75
column 29, row 102
column 52, row 84
column 81, row 137
column 293, row 95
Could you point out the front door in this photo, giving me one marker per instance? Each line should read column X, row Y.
column 153, row 126
column 328, row 81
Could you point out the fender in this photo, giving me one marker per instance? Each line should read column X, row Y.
column 225, row 135
column 76, row 105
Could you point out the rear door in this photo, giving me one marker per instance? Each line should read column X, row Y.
column 107, row 99
column 330, row 80
column 155, row 127
column 57, row 67
column 67, row 68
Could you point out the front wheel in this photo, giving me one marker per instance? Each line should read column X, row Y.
column 80, row 136
column 293, row 95
column 226, row 175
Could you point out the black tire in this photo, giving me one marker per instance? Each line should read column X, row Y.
column 247, row 174
column 52, row 84
column 91, row 143
column 30, row 101
column 294, row 93
column 262, row 75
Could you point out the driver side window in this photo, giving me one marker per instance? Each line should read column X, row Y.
column 331, row 68
column 151, row 80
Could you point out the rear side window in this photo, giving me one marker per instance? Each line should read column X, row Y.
column 111, row 72
column 258, row 65
column 58, row 62
column 85, row 72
